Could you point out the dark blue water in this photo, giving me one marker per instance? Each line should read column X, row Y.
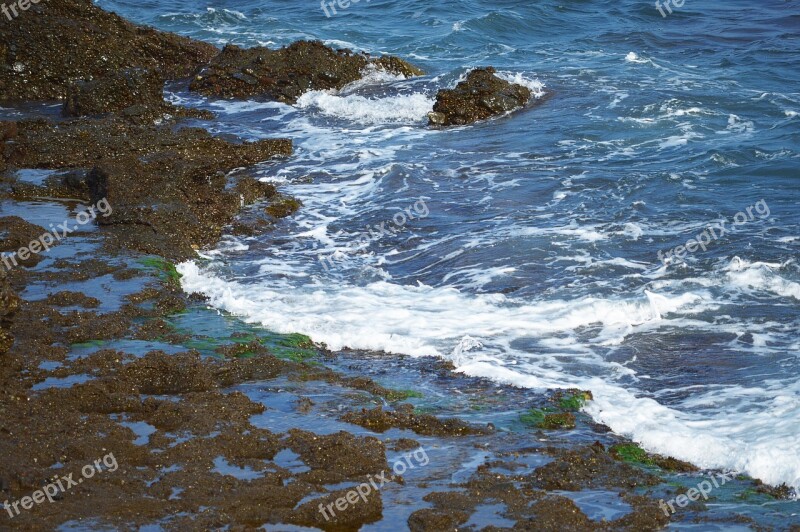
column 529, row 245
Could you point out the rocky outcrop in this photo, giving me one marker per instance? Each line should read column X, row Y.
column 285, row 74
column 482, row 95
column 173, row 216
column 57, row 41
column 134, row 93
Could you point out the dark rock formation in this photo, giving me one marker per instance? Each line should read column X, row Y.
column 173, row 216
column 287, row 73
column 15, row 234
column 136, row 93
column 114, row 92
column 9, row 303
column 57, row 41
column 481, row 96
column 8, row 150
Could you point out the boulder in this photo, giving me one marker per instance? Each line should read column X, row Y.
column 482, row 95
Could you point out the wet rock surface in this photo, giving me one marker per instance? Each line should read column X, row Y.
column 285, row 74
column 482, row 95
column 9, row 303
column 404, row 417
column 135, row 93
column 167, row 189
column 212, row 423
column 213, row 432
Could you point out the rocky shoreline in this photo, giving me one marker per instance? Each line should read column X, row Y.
column 214, row 423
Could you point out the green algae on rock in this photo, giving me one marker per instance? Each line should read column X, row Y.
column 166, row 269
column 562, row 415
column 631, row 452
column 572, row 400
column 548, row 419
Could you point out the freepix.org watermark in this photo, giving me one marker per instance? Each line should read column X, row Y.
column 12, row 10
column 375, row 233
column 57, row 233
column 693, row 494
column 676, row 3
column 61, row 485
column 715, row 232
column 418, row 458
column 329, row 6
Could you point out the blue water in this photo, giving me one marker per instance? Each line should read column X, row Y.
column 529, row 251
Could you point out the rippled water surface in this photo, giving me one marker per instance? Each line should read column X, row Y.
column 529, row 245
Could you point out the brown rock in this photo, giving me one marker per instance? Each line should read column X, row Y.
column 482, row 95
column 9, row 303
column 285, row 74
column 114, row 92
column 57, row 41
column 353, row 517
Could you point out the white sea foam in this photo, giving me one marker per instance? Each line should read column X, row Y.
column 405, row 109
column 536, row 86
column 566, row 338
column 477, row 331
column 633, row 57
column 762, row 277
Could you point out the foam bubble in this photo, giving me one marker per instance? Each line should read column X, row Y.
column 404, row 109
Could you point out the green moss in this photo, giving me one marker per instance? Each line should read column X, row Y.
column 630, row 452
column 297, row 340
column 295, row 355
column 402, row 395
column 201, row 344
column 534, row 416
column 167, row 270
column 747, row 494
column 573, row 401
column 546, row 418
column 564, row 420
column 246, row 338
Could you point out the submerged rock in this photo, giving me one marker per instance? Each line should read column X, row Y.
column 380, row 420
column 482, row 95
column 285, row 74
